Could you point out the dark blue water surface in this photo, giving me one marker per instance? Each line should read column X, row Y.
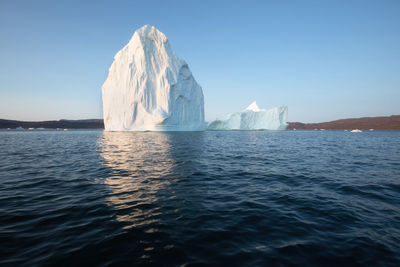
column 200, row 198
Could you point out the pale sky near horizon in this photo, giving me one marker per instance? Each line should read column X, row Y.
column 325, row 60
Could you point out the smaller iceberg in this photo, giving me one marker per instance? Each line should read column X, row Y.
column 253, row 118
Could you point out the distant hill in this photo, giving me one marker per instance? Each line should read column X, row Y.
column 377, row 123
column 62, row 124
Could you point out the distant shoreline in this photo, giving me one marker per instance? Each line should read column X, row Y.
column 365, row 123
column 60, row 124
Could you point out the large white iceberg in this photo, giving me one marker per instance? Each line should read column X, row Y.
column 149, row 88
column 253, row 118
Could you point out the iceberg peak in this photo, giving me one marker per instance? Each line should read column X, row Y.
column 253, row 107
column 150, row 32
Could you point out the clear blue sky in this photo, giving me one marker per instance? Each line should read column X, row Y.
column 325, row 60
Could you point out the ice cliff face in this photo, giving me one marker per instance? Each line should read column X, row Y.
column 253, row 118
column 149, row 88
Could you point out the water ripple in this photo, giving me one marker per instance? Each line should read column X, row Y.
column 207, row 198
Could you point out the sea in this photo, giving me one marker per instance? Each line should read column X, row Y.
column 213, row 198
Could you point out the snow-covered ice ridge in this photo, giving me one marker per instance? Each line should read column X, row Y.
column 149, row 88
column 253, row 118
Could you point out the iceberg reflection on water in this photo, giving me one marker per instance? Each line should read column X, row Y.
column 142, row 165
